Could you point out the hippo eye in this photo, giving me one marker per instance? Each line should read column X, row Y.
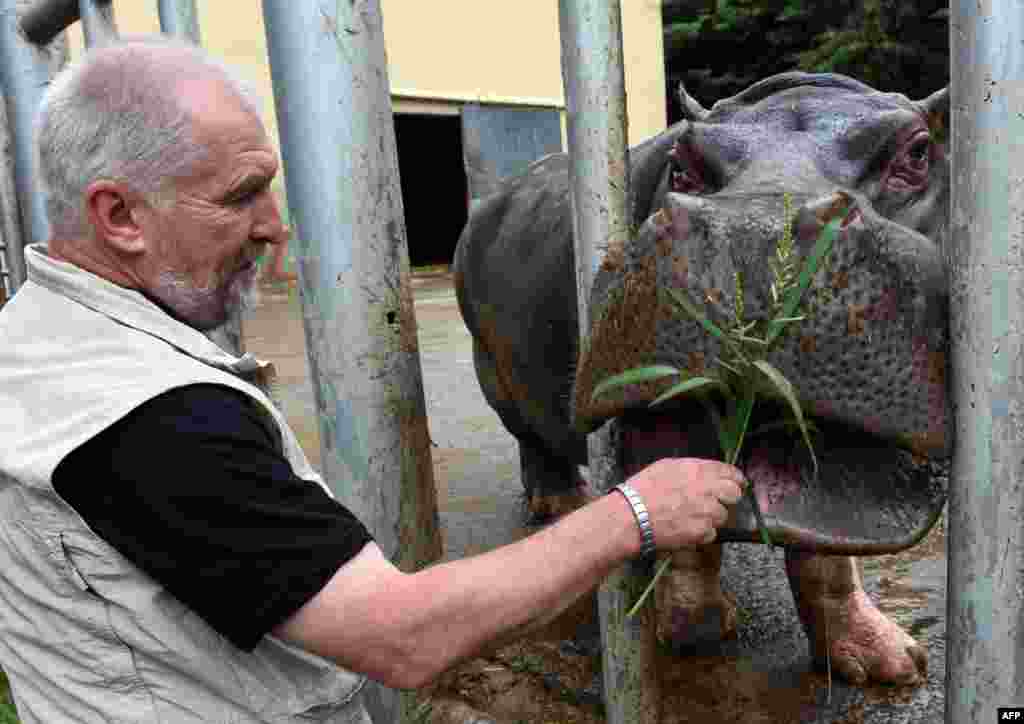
column 908, row 170
column 689, row 171
column 920, row 151
column 686, row 181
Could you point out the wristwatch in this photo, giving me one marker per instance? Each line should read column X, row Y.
column 643, row 519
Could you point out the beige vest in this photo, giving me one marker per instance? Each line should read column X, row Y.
column 85, row 636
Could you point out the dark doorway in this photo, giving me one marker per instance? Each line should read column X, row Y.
column 433, row 185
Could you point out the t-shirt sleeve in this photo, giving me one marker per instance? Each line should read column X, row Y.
column 192, row 489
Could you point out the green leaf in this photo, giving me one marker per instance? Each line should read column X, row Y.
column 694, row 383
column 761, row 526
column 634, row 376
column 740, row 421
column 725, row 433
column 785, row 389
column 822, row 247
column 697, row 316
column 744, row 409
column 735, row 370
column 662, row 567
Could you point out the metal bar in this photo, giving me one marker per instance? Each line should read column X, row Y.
column 985, row 595
column 98, row 27
column 592, row 69
column 25, row 69
column 341, row 173
column 180, row 18
column 12, row 255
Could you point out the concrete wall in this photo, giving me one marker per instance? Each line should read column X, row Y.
column 447, row 52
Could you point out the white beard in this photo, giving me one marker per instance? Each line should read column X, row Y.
column 207, row 307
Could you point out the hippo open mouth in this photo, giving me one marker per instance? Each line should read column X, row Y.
column 869, row 497
column 868, row 364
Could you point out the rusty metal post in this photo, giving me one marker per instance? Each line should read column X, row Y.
column 593, row 75
column 985, row 600
column 11, row 248
column 25, row 69
column 180, row 17
column 98, row 27
column 329, row 70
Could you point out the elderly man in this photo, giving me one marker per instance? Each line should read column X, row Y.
column 166, row 552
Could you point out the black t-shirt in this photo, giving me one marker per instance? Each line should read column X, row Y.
column 191, row 487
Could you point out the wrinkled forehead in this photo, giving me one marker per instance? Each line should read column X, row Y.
column 841, row 130
column 805, row 107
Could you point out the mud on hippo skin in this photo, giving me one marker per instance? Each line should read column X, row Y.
column 870, row 362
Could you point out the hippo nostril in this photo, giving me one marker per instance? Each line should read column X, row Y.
column 852, row 218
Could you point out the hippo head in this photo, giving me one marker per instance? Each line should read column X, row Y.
column 869, row 361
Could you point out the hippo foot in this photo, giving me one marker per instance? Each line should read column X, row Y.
column 863, row 644
column 846, row 630
column 692, row 608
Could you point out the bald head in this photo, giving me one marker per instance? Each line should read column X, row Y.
column 126, row 112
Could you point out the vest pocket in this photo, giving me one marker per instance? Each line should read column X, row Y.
column 113, row 663
column 287, row 683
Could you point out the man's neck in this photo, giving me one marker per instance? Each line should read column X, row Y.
column 85, row 255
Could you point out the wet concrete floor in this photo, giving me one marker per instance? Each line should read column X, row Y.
column 762, row 677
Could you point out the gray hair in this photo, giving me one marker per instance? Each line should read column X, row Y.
column 114, row 115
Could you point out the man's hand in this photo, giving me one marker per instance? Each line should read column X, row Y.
column 686, row 499
column 404, row 629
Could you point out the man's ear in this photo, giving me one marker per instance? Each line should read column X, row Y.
column 112, row 209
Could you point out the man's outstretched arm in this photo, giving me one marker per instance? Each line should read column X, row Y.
column 405, row 629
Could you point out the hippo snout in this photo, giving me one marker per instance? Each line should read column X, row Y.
column 713, row 194
column 871, row 353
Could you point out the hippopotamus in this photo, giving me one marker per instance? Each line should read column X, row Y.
column 868, row 363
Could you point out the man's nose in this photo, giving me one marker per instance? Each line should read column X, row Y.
column 268, row 226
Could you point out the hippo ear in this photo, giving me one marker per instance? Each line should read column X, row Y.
column 936, row 110
column 692, row 110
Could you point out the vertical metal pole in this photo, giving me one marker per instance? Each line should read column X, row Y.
column 10, row 220
column 592, row 68
column 985, row 600
column 97, row 17
column 329, row 70
column 179, row 17
column 25, row 69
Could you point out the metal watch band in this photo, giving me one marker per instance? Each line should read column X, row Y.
column 643, row 519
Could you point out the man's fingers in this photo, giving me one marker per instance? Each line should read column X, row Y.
column 719, row 515
column 730, row 493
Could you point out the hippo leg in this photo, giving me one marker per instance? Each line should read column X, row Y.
column 692, row 607
column 838, row 617
column 552, row 483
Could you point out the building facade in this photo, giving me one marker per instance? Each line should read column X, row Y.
column 476, row 89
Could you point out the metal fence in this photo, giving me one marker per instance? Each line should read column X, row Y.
column 986, row 663
column 358, row 309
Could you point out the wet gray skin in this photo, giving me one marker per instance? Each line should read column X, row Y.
column 869, row 363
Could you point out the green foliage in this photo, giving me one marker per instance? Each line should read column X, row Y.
column 744, row 375
column 864, row 52
column 721, row 17
column 8, row 715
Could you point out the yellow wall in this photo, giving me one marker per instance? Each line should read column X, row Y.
column 446, row 52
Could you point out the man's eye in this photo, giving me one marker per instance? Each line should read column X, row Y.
column 243, row 198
